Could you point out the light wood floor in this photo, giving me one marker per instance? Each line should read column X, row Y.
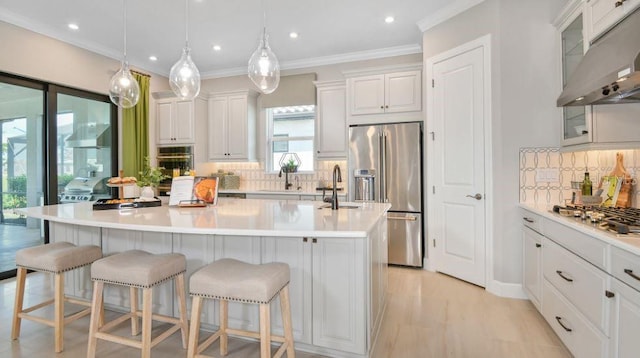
column 428, row 315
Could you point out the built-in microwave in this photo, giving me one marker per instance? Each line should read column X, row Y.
column 174, row 159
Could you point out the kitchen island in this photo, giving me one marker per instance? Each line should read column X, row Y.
column 337, row 258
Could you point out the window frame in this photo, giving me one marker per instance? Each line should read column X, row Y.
column 271, row 139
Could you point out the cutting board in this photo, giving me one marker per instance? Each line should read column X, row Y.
column 624, row 197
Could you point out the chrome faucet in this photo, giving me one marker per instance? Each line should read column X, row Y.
column 337, row 177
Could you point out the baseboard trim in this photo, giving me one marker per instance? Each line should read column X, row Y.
column 509, row 290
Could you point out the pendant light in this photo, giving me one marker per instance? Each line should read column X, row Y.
column 184, row 77
column 264, row 69
column 124, row 90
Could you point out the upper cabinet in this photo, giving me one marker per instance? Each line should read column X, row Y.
column 331, row 120
column 175, row 121
column 601, row 15
column 373, row 94
column 232, row 126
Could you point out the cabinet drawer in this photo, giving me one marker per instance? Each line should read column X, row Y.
column 582, row 339
column 531, row 220
column 592, row 250
column 625, row 266
column 581, row 283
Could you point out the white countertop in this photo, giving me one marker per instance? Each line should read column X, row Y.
column 628, row 242
column 245, row 217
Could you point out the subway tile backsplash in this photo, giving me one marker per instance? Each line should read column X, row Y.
column 253, row 175
column 570, row 166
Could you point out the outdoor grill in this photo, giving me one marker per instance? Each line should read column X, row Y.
column 85, row 189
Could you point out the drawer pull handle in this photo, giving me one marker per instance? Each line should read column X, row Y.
column 538, row 245
column 528, row 220
column 559, row 319
column 560, row 273
column 609, row 294
column 630, row 273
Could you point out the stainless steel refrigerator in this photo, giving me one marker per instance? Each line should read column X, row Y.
column 385, row 165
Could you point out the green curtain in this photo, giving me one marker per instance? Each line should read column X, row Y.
column 135, row 130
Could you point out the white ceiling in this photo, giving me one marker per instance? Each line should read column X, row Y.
column 330, row 31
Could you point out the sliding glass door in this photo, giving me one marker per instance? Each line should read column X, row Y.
column 22, row 112
column 55, row 141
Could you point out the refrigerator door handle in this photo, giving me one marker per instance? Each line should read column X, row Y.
column 404, row 218
column 384, row 197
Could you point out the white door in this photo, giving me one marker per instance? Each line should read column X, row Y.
column 457, row 203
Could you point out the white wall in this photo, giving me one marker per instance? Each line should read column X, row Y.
column 36, row 56
column 524, row 90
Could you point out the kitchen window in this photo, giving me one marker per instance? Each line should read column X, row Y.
column 290, row 130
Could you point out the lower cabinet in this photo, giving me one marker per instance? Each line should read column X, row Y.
column 532, row 273
column 624, row 321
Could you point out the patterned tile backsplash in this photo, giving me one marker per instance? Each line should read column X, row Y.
column 253, row 175
column 570, row 166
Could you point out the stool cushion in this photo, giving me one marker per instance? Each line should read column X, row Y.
column 234, row 280
column 138, row 268
column 57, row 257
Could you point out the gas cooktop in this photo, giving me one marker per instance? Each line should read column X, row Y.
column 617, row 220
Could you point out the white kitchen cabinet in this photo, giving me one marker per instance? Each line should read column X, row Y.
column 624, row 320
column 385, row 93
column 603, row 14
column 232, row 126
column 532, row 260
column 331, row 120
column 175, row 121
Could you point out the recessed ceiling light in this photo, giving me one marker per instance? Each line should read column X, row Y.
column 389, row 19
column 217, row 48
column 293, row 35
column 153, row 58
column 73, row 26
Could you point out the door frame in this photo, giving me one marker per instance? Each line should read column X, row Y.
column 485, row 43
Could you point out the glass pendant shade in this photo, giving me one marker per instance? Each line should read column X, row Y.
column 124, row 90
column 264, row 69
column 184, row 77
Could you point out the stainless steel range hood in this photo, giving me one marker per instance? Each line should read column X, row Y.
column 90, row 136
column 610, row 70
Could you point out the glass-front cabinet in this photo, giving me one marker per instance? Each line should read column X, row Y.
column 576, row 121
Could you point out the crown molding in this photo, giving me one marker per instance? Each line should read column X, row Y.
column 325, row 60
column 446, row 13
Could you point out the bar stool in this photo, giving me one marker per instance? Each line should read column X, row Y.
column 137, row 270
column 56, row 258
column 232, row 280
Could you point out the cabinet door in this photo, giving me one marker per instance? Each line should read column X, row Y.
column 183, row 122
column 602, row 14
column 532, row 275
column 163, row 124
column 237, row 140
column 403, row 92
column 218, row 128
column 295, row 252
column 366, row 94
column 339, row 301
column 625, row 321
column 331, row 124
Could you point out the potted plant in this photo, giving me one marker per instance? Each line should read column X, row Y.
column 150, row 178
column 290, row 166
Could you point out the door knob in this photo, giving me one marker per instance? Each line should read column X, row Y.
column 478, row 196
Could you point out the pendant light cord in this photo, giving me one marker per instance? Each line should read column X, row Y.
column 186, row 23
column 124, row 20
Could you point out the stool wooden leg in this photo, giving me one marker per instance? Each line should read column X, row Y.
column 265, row 331
column 182, row 305
column 135, row 323
column 58, row 319
column 224, row 324
column 194, row 334
column 96, row 311
column 147, row 305
column 17, row 306
column 285, row 307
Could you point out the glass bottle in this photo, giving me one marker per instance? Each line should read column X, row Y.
column 586, row 185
